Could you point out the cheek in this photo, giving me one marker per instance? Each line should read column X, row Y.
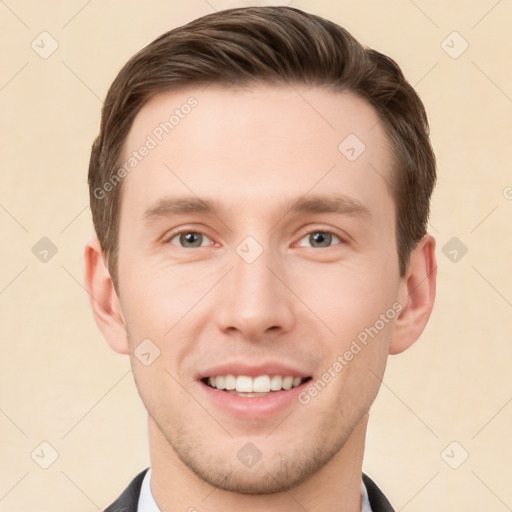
column 348, row 299
column 157, row 296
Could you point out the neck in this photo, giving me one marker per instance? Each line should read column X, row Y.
column 334, row 488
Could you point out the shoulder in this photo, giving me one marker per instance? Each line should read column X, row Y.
column 378, row 501
column 129, row 499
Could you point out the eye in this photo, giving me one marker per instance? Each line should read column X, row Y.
column 189, row 239
column 320, row 239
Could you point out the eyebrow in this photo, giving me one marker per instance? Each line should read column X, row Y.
column 333, row 203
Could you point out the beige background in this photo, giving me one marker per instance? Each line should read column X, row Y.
column 61, row 384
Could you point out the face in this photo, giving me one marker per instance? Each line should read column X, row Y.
column 257, row 248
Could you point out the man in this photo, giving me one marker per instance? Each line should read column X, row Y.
column 260, row 192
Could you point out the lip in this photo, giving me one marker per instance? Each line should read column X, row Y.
column 252, row 407
column 270, row 368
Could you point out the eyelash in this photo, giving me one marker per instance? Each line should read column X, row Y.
column 309, row 232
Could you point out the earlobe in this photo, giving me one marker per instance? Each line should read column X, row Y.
column 417, row 294
column 103, row 298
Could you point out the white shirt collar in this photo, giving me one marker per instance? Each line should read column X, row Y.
column 365, row 502
column 147, row 502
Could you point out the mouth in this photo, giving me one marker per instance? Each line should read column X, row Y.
column 253, row 391
column 254, row 387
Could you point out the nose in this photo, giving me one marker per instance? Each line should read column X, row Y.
column 254, row 299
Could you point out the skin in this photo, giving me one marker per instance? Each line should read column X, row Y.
column 254, row 150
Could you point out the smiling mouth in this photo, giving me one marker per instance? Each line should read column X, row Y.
column 245, row 386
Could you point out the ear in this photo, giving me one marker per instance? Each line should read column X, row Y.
column 417, row 293
column 103, row 298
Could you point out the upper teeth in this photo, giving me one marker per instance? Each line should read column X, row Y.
column 260, row 384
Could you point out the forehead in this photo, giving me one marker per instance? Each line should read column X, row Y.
column 255, row 144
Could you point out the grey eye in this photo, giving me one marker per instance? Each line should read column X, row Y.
column 189, row 239
column 320, row 238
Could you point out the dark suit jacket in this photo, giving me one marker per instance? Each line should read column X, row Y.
column 128, row 501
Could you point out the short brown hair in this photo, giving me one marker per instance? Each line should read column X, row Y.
column 276, row 46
